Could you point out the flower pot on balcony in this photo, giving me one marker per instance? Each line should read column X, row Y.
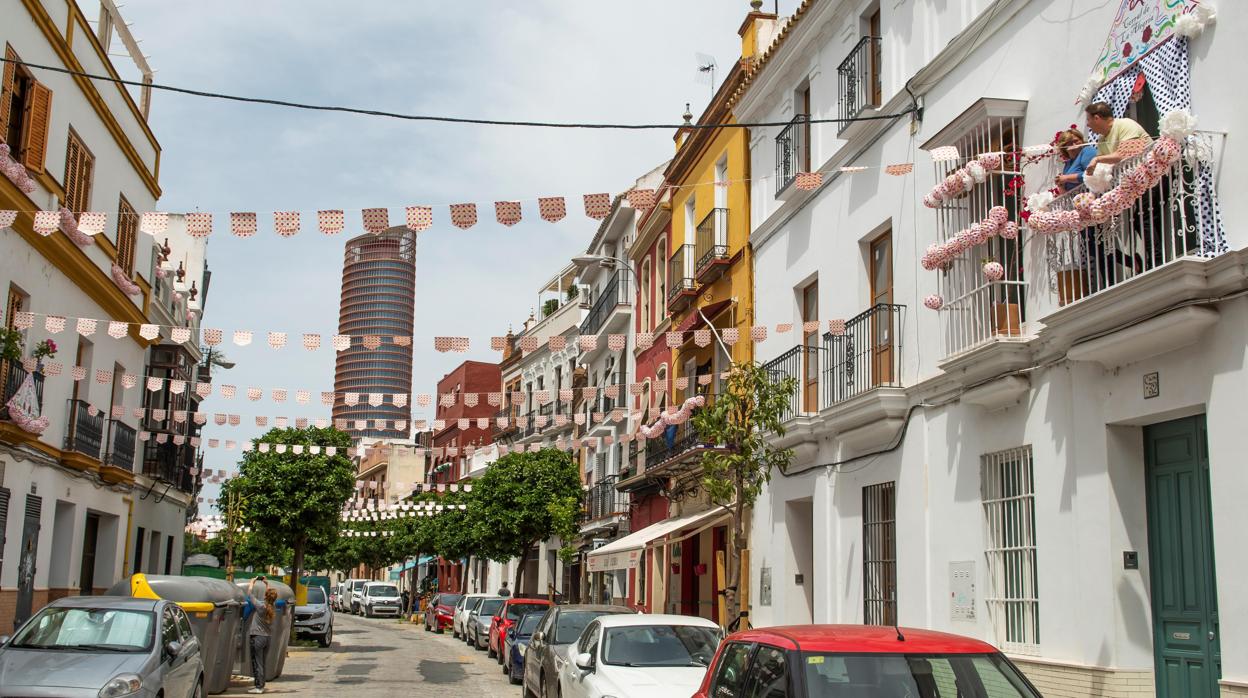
column 1006, row 319
column 1070, row 286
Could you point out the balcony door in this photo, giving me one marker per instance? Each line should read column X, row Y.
column 881, row 316
column 873, row 31
column 810, row 349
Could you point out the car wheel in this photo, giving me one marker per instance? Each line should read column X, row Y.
column 490, row 653
column 512, row 678
column 199, row 688
column 327, row 638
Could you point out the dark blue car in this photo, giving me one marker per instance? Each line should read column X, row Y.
column 516, row 642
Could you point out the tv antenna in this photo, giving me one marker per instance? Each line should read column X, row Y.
column 706, row 70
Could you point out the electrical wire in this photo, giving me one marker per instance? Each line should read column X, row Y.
column 435, row 118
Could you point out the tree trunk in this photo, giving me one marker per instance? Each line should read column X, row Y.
column 524, row 558
column 296, row 571
column 737, row 543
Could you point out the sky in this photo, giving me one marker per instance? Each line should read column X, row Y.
column 551, row 60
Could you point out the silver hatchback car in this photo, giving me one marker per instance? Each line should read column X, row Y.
column 103, row 647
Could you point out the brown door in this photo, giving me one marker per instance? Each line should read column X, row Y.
column 882, row 360
column 810, row 349
column 873, row 29
column 806, row 129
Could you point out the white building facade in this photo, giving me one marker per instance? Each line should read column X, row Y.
column 79, row 508
column 1048, row 461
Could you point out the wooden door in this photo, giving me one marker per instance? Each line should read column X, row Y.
column 874, row 83
column 1184, row 591
column 806, row 106
column 810, row 349
column 881, row 319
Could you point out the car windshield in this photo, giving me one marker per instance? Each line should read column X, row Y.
column 925, row 676
column 358, row 585
column 471, row 604
column 516, row 610
column 383, row 590
column 528, row 624
column 316, row 595
column 449, row 599
column 106, row 629
column 660, row 645
column 489, row 607
column 570, row 624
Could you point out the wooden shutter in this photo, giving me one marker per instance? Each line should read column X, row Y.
column 4, row 518
column 6, row 90
column 79, row 165
column 35, row 129
column 127, row 232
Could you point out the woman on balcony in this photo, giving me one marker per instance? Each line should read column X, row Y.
column 1077, row 156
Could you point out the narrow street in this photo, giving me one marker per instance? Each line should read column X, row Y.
column 381, row 657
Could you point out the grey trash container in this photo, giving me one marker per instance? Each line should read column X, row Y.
column 214, row 607
column 279, row 637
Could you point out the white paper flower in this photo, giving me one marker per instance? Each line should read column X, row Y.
column 1101, row 179
column 1188, row 26
column 1178, row 124
column 1090, row 88
column 1040, row 201
column 1197, row 152
column 977, row 172
column 1036, row 151
column 1205, row 13
column 968, row 182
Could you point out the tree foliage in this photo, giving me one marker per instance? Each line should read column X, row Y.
column 749, row 411
column 523, row 499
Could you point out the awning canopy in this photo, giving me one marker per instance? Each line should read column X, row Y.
column 694, row 320
column 624, row 553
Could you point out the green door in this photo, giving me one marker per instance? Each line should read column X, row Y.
column 1180, row 542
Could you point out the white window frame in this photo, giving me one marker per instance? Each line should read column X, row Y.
column 1007, row 488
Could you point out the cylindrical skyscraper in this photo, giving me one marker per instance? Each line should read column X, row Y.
column 378, row 301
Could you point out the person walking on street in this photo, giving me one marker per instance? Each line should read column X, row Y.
column 259, row 627
column 504, row 591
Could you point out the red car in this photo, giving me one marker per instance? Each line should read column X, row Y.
column 440, row 611
column 824, row 661
column 511, row 611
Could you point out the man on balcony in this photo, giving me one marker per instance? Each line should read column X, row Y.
column 1114, row 131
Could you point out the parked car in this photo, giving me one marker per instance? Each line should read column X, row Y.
column 344, row 596
column 813, row 661
column 465, row 606
column 479, row 621
column 515, row 642
column 560, row 627
column 631, row 656
column 315, row 619
column 357, row 591
column 440, row 613
column 89, row 646
column 506, row 617
column 381, row 599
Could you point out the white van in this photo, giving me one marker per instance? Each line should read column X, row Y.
column 354, row 587
column 381, row 599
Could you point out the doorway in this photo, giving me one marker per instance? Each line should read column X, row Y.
column 1186, row 648
column 810, row 348
column 881, row 309
column 26, row 561
column 90, row 538
column 799, row 604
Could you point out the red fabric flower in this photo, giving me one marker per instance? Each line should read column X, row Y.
column 1148, row 33
column 1126, row 50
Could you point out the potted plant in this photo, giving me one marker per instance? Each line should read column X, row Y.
column 550, row 306
column 43, row 350
column 10, row 344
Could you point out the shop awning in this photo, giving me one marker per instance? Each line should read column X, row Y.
column 694, row 321
column 623, row 554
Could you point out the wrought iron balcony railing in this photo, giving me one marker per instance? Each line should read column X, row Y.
column 14, row 376
column 613, row 295
column 121, row 442
column 859, row 80
column 802, row 363
column 603, row 500
column 711, row 240
column 680, row 277
column 791, row 151
column 85, row 434
column 867, row 356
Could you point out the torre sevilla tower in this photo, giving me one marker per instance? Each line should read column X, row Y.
column 378, row 305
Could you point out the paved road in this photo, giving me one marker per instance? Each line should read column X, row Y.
column 382, row 657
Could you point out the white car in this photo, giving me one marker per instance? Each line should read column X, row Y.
column 639, row 656
column 462, row 609
column 380, row 599
column 356, row 590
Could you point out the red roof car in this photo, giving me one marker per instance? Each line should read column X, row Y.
column 826, row 661
column 511, row 612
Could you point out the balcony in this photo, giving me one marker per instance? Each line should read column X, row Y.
column 682, row 285
column 669, row 459
column 604, row 504
column 802, row 363
column 121, row 441
column 13, row 379
column 85, row 434
column 791, row 152
column 170, row 463
column 614, row 295
column 858, row 79
column 1120, row 281
column 711, row 246
column 867, row 356
column 506, row 431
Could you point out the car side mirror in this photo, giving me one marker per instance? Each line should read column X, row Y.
column 511, row 634
column 173, row 648
column 584, row 661
column 4, row 640
column 537, row 637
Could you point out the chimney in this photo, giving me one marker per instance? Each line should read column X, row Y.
column 756, row 32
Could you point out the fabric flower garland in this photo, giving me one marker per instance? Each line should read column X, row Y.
column 940, row 256
column 124, row 283
column 963, row 179
column 15, row 171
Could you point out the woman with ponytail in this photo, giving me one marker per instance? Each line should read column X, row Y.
column 264, row 608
